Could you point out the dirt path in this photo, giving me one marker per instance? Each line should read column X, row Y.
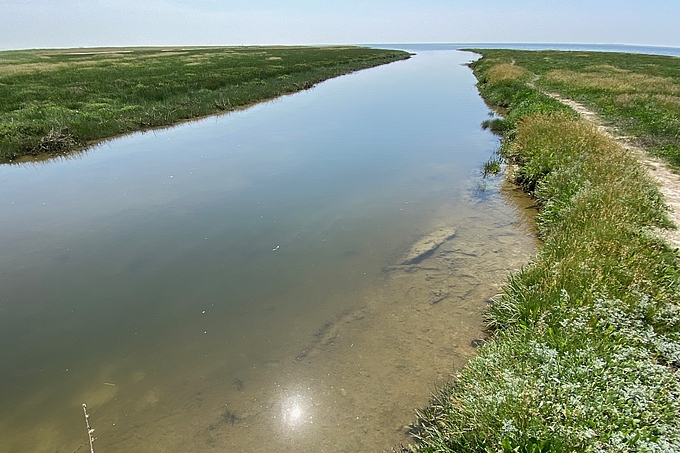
column 669, row 182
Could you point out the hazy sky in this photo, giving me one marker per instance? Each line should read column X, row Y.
column 74, row 23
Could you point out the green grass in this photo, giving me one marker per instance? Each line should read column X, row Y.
column 493, row 166
column 585, row 343
column 638, row 94
column 57, row 101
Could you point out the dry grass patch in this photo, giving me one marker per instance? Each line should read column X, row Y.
column 507, row 72
column 614, row 81
column 606, row 68
column 55, row 62
column 627, row 100
column 167, row 53
column 200, row 58
column 670, row 102
column 12, row 69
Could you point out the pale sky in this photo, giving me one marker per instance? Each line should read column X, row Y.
column 86, row 23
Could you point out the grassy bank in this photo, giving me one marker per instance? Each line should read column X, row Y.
column 638, row 94
column 586, row 338
column 57, row 101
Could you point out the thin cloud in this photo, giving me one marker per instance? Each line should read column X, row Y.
column 73, row 23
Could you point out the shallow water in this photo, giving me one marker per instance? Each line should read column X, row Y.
column 234, row 284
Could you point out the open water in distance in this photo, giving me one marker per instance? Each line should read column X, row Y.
column 623, row 48
column 236, row 283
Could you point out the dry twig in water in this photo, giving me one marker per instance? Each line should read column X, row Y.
column 90, row 430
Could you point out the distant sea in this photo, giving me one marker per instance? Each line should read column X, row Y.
column 652, row 50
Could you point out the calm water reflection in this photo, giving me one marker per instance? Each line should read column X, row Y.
column 232, row 284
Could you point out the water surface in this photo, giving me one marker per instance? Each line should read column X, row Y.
column 234, row 284
column 573, row 47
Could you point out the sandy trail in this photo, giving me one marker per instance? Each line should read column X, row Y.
column 669, row 182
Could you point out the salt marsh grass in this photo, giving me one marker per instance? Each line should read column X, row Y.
column 56, row 101
column 637, row 94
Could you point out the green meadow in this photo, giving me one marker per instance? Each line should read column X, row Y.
column 53, row 102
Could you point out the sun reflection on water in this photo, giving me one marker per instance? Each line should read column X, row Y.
column 296, row 412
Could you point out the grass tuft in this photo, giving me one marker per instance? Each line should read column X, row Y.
column 492, row 167
column 56, row 141
column 498, row 126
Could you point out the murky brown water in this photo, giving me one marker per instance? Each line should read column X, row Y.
column 236, row 284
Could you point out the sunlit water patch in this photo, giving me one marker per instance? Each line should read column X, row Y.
column 244, row 283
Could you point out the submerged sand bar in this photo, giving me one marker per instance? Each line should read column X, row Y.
column 428, row 244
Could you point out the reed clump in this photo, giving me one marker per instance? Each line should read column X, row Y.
column 586, row 338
